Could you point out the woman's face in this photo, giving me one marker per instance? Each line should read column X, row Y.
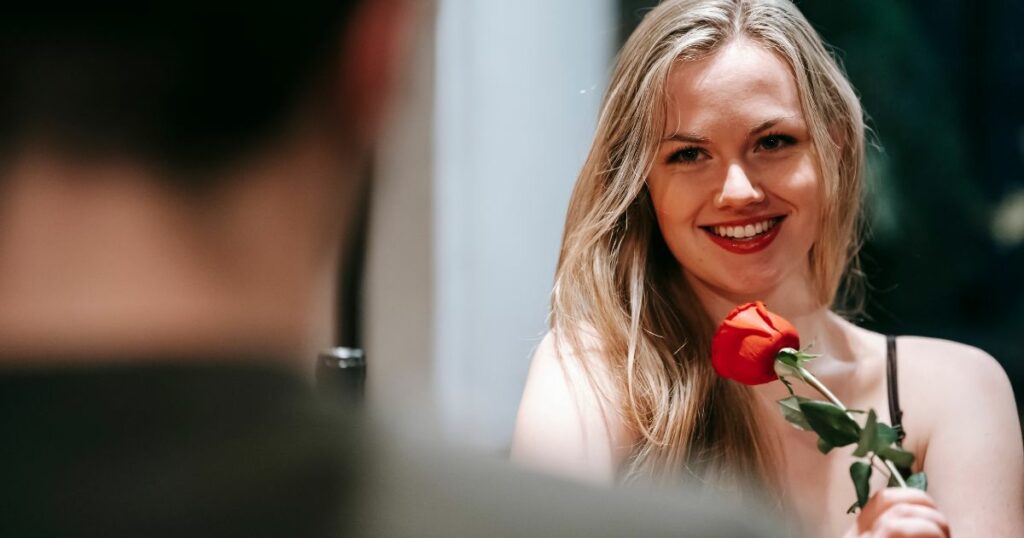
column 735, row 181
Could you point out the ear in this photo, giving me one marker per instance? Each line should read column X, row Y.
column 375, row 43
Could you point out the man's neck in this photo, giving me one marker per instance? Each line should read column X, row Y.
column 102, row 263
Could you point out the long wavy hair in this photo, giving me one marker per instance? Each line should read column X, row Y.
column 617, row 283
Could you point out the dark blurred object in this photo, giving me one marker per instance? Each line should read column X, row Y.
column 348, row 330
column 341, row 375
column 341, row 371
column 187, row 90
column 203, row 448
column 941, row 84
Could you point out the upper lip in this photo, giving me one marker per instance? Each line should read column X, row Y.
column 744, row 222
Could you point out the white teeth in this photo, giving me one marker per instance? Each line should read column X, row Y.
column 744, row 232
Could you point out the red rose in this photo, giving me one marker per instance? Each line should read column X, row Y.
column 746, row 343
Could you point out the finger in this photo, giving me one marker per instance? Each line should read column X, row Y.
column 911, row 528
column 904, row 516
column 887, row 498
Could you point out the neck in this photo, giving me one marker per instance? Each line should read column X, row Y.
column 101, row 263
column 793, row 298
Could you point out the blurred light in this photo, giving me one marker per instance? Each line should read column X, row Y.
column 1008, row 220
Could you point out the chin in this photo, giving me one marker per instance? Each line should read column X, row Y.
column 750, row 291
column 741, row 286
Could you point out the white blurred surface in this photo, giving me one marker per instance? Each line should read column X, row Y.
column 517, row 90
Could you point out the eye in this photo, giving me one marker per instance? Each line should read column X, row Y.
column 774, row 142
column 687, row 155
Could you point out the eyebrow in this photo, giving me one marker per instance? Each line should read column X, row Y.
column 764, row 126
column 698, row 139
column 687, row 137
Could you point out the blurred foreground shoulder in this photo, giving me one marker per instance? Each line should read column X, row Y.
column 570, row 421
column 428, row 491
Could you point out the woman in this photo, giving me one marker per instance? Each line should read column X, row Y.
column 727, row 167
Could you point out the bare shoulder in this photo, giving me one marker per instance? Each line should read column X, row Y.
column 569, row 419
column 559, row 366
column 962, row 400
column 583, row 363
column 949, row 368
column 953, row 393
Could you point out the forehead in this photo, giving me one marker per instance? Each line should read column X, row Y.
column 741, row 82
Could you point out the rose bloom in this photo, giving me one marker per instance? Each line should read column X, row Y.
column 746, row 344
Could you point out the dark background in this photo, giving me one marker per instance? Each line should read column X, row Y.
column 942, row 83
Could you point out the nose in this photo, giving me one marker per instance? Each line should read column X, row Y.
column 738, row 190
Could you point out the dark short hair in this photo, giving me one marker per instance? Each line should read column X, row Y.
column 176, row 83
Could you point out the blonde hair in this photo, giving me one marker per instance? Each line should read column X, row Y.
column 616, row 278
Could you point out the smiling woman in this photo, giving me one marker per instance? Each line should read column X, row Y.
column 727, row 168
column 743, row 177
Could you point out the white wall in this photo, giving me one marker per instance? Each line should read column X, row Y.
column 517, row 89
column 398, row 290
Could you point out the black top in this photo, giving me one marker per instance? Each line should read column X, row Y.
column 892, row 382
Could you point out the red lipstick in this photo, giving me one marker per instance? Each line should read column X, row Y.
column 747, row 245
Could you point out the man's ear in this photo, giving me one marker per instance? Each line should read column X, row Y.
column 375, row 44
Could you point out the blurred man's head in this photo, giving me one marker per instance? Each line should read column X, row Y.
column 175, row 180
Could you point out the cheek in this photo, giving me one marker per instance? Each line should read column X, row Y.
column 796, row 180
column 808, row 183
column 804, row 189
column 675, row 204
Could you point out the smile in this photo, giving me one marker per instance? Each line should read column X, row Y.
column 745, row 237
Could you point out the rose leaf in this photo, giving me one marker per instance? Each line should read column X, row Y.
column 831, row 423
column 897, row 455
column 918, row 481
column 860, row 472
column 885, row 437
column 792, row 413
column 868, row 435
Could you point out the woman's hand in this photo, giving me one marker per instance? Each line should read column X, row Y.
column 902, row 512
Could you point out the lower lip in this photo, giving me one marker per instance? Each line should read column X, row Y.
column 746, row 246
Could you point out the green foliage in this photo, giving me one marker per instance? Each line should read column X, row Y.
column 788, row 356
column 835, row 428
column 868, row 436
column 874, row 437
column 831, row 423
column 860, row 472
column 897, row 455
column 791, row 412
column 918, row 481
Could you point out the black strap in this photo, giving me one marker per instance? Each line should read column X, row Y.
column 895, row 413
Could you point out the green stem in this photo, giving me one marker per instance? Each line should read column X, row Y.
column 820, row 387
column 894, row 472
column 823, row 390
